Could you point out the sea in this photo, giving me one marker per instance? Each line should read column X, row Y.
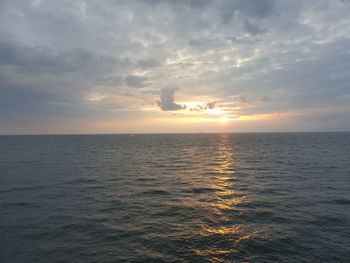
column 253, row 197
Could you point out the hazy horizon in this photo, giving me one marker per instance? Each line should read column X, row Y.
column 169, row 133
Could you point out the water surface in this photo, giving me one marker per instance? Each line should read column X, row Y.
column 175, row 198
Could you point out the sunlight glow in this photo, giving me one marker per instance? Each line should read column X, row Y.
column 215, row 111
column 224, row 119
column 95, row 97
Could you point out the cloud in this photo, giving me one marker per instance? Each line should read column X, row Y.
column 211, row 105
column 135, row 81
column 203, row 106
column 43, row 59
column 259, row 9
column 255, row 8
column 252, row 28
column 167, row 100
column 195, row 42
column 148, row 63
column 179, row 3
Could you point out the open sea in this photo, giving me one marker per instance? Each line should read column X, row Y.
column 273, row 197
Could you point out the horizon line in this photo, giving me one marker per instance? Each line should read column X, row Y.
column 165, row 133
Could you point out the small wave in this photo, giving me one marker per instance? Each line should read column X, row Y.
column 26, row 188
column 78, row 227
column 326, row 220
column 175, row 211
column 203, row 190
column 146, row 179
column 155, row 192
column 339, row 201
column 52, row 195
column 80, row 180
column 233, row 179
column 19, row 204
column 273, row 191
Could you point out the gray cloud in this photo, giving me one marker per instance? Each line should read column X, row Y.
column 204, row 107
column 253, row 8
column 252, row 28
column 135, row 81
column 195, row 42
column 148, row 63
column 167, row 100
column 42, row 59
column 179, row 3
column 211, row 105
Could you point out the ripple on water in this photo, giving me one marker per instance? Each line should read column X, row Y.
column 155, row 192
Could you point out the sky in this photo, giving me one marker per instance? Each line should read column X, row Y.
column 149, row 66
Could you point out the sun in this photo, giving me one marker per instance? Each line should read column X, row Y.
column 224, row 119
column 215, row 111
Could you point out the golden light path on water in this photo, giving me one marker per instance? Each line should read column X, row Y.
column 221, row 199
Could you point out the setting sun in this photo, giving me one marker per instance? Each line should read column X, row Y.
column 215, row 111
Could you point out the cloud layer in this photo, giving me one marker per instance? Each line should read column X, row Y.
column 112, row 66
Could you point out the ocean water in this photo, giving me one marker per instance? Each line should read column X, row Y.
column 279, row 197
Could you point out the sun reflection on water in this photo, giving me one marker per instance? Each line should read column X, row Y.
column 220, row 205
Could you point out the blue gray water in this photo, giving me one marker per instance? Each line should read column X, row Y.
column 175, row 198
